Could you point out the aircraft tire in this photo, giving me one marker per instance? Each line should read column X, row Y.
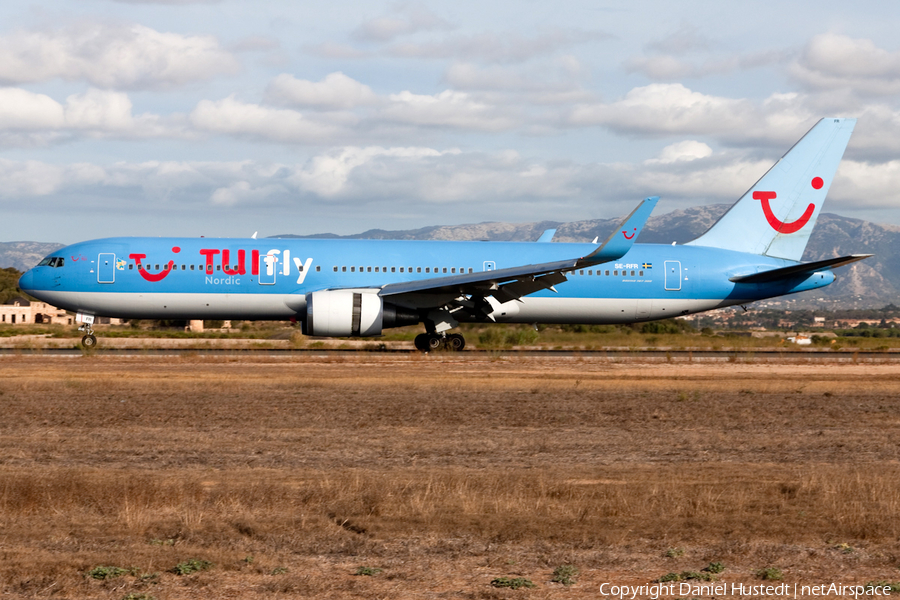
column 456, row 342
column 421, row 342
column 89, row 341
column 434, row 342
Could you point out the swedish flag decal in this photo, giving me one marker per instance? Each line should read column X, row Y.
column 648, row 265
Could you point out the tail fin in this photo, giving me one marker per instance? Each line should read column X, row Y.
column 776, row 216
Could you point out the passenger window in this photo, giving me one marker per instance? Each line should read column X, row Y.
column 369, row 270
column 131, row 266
column 394, row 269
column 192, row 267
column 376, row 269
column 470, row 270
column 156, row 268
column 427, row 270
column 607, row 273
column 418, row 269
column 218, row 267
column 641, row 273
column 384, row 269
column 632, row 273
column 616, row 273
column 335, row 269
column 343, row 269
column 318, row 268
column 300, row 268
column 353, row 269
column 453, row 269
column 444, row 270
column 401, row 269
column 581, row 272
column 140, row 267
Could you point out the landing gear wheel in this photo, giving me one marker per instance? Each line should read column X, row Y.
column 434, row 341
column 456, row 342
column 420, row 342
column 89, row 341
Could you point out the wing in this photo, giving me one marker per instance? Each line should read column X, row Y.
column 470, row 291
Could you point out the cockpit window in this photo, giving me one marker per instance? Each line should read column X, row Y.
column 52, row 261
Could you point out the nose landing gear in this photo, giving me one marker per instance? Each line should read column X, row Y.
column 89, row 340
column 429, row 342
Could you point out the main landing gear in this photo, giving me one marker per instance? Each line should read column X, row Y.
column 89, row 340
column 428, row 342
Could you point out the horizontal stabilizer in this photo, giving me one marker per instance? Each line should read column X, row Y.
column 798, row 270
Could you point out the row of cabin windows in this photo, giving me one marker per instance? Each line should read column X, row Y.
column 191, row 267
column 451, row 270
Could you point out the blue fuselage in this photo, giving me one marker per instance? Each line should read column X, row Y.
column 177, row 278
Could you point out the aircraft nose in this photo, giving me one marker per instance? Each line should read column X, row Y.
column 26, row 281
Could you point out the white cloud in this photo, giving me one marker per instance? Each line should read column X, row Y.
column 668, row 67
column 243, row 192
column 24, row 110
column 446, row 109
column 406, row 19
column 328, row 175
column 493, row 48
column 112, row 56
column 672, row 109
column 232, row 117
column 833, row 61
column 685, row 151
column 336, row 91
column 335, row 50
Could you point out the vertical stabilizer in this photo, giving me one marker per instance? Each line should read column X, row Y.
column 776, row 216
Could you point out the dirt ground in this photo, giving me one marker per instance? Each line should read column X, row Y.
column 436, row 475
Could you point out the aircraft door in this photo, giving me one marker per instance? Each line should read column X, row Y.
column 673, row 275
column 267, row 269
column 106, row 267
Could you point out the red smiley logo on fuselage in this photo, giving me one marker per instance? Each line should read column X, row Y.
column 630, row 237
column 777, row 224
column 149, row 276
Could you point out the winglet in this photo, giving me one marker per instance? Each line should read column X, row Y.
column 547, row 236
column 622, row 239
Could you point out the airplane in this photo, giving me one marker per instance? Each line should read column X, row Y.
column 347, row 288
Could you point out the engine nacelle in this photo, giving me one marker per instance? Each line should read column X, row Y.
column 344, row 313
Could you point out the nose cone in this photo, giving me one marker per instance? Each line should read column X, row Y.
column 26, row 283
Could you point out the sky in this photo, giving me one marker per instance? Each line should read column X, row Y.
column 226, row 117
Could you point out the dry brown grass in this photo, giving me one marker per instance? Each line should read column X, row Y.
column 445, row 472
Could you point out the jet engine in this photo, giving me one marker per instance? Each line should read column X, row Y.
column 343, row 313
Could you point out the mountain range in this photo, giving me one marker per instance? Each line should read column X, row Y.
column 873, row 282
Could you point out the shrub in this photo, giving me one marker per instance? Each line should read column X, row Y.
column 368, row 571
column 191, row 566
column 103, row 573
column 770, row 574
column 565, row 574
column 714, row 567
column 674, row 552
column 512, row 583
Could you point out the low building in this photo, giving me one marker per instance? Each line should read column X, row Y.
column 20, row 310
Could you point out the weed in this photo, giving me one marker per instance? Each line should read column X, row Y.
column 138, row 596
column 166, row 542
column 685, row 576
column 682, row 396
column 565, row 574
column 513, row 583
column 103, row 573
column 279, row 570
column 368, row 571
column 845, row 548
column 770, row 574
column 674, row 552
column 191, row 566
column 714, row 567
column 667, row 578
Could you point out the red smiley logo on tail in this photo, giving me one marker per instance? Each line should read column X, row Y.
column 781, row 226
column 629, row 237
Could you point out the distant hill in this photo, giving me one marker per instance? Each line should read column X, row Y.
column 871, row 283
column 24, row 255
